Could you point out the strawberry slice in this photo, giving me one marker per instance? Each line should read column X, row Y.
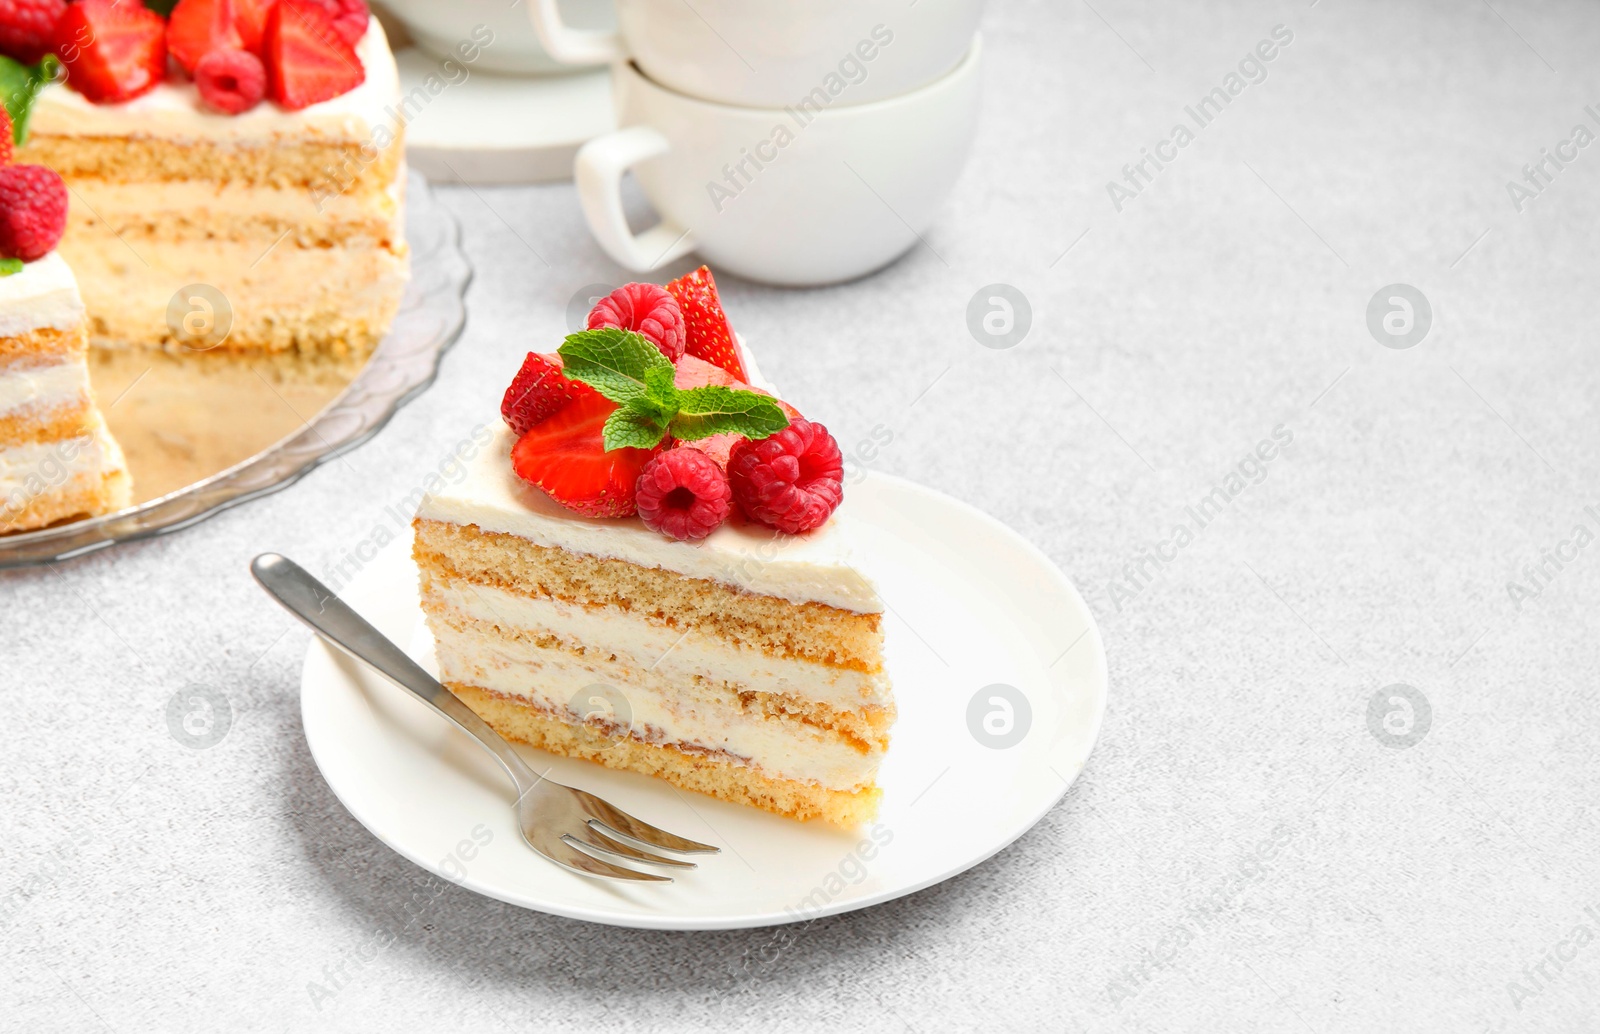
column 250, row 21
column 697, row 373
column 693, row 372
column 113, row 51
column 308, row 62
column 565, row 457
column 539, row 391
column 197, row 27
column 709, row 335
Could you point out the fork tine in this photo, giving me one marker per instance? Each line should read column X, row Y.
column 619, row 821
column 597, row 840
column 569, row 857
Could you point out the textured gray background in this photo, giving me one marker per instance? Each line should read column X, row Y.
column 147, row 885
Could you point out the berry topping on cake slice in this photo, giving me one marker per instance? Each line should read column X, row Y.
column 693, row 436
column 7, row 138
column 709, row 335
column 567, row 457
column 113, row 51
column 684, row 494
column 27, row 28
column 646, row 309
column 792, row 481
column 538, row 392
column 308, row 60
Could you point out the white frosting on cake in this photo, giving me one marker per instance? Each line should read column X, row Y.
column 818, row 565
column 43, row 296
column 173, row 109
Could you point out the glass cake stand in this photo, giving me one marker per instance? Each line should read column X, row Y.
column 192, row 454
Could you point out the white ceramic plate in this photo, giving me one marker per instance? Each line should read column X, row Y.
column 971, row 605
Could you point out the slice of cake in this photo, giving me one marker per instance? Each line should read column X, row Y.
column 57, row 462
column 245, row 197
column 645, row 569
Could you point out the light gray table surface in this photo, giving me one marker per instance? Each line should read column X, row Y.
column 1441, row 880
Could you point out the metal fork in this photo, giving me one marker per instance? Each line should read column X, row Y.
column 555, row 819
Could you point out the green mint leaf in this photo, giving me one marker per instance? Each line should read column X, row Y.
column 658, row 379
column 19, row 88
column 162, row 7
column 629, row 428
column 715, row 409
column 618, row 364
column 10, row 266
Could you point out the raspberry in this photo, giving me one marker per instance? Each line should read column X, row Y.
column 33, row 211
column 6, row 150
column 791, row 481
column 645, row 309
column 231, row 81
column 684, row 494
column 27, row 28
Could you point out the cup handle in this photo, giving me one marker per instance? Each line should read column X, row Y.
column 572, row 46
column 598, row 171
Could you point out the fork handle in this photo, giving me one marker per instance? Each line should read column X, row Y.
column 334, row 620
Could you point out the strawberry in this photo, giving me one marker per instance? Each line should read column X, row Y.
column 719, row 447
column 250, row 21
column 197, row 27
column 539, row 391
column 6, row 140
column 710, row 337
column 348, row 17
column 566, row 458
column 697, row 373
column 113, row 51
column 307, row 60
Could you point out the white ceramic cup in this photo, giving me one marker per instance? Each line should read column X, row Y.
column 786, row 196
column 440, row 27
column 772, row 53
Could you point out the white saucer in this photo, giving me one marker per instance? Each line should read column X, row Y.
column 970, row 605
column 493, row 128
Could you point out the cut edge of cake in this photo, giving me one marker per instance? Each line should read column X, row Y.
column 58, row 462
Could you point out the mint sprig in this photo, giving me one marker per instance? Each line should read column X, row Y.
column 19, row 88
column 10, row 266
column 630, row 371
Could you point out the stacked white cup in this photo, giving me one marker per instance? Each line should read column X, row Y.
column 792, row 143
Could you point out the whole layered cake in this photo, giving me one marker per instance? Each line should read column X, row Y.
column 649, row 567
column 238, row 171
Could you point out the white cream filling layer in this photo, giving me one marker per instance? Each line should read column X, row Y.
column 173, row 109
column 43, row 296
column 560, row 682
column 644, row 645
column 32, row 470
column 44, row 387
column 817, row 566
column 105, row 201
